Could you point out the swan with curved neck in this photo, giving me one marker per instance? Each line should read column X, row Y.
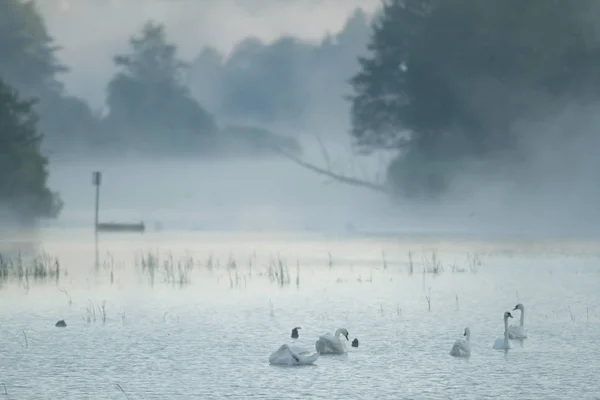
column 518, row 331
column 503, row 343
column 462, row 347
column 292, row 355
column 332, row 344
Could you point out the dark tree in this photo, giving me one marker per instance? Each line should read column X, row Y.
column 28, row 62
column 28, row 59
column 23, row 169
column 148, row 100
column 448, row 81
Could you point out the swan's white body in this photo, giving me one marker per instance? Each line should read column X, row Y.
column 518, row 331
column 292, row 355
column 331, row 344
column 462, row 347
column 503, row 343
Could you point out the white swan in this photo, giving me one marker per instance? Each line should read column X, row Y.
column 518, row 331
column 503, row 343
column 462, row 347
column 292, row 355
column 331, row 344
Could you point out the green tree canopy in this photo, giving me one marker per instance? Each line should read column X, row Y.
column 148, row 97
column 23, row 169
column 447, row 81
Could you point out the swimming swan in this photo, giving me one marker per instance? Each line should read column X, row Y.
column 331, row 344
column 503, row 343
column 462, row 347
column 518, row 331
column 292, row 355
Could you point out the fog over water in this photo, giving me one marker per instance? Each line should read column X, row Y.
column 261, row 216
column 556, row 192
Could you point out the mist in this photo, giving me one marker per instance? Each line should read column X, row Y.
column 234, row 192
column 283, row 67
column 88, row 42
column 229, row 194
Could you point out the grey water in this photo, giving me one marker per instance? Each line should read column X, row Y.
column 217, row 307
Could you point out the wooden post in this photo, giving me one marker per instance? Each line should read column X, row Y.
column 97, row 180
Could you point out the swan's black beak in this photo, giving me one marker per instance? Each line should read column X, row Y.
column 465, row 334
column 346, row 336
column 516, row 308
column 510, row 315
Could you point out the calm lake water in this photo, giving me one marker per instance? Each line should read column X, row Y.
column 217, row 306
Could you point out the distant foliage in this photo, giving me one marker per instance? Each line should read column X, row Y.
column 288, row 82
column 23, row 169
column 244, row 139
column 446, row 82
column 147, row 97
column 151, row 111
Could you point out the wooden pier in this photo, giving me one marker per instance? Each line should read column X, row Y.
column 119, row 227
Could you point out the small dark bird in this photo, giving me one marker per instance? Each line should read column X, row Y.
column 61, row 324
column 295, row 332
column 355, row 342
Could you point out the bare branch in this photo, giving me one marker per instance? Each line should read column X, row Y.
column 324, row 151
column 337, row 177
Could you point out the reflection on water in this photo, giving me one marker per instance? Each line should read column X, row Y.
column 194, row 315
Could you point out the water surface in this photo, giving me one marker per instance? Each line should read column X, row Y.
column 207, row 331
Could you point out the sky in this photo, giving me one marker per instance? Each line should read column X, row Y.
column 91, row 32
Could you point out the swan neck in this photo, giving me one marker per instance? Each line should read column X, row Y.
column 506, row 328
column 338, row 333
column 522, row 322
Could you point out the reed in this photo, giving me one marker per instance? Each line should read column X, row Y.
column 411, row 265
column 69, row 299
column 428, row 298
column 433, row 265
column 177, row 271
column 40, row 267
column 121, row 389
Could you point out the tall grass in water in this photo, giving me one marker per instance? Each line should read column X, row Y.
column 474, row 262
column 109, row 265
column 177, row 271
column 174, row 272
column 149, row 263
column 235, row 277
column 278, row 271
column 91, row 312
column 428, row 298
column 39, row 267
column 433, row 265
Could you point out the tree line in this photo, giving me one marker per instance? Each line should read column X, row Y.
column 445, row 85
column 150, row 107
